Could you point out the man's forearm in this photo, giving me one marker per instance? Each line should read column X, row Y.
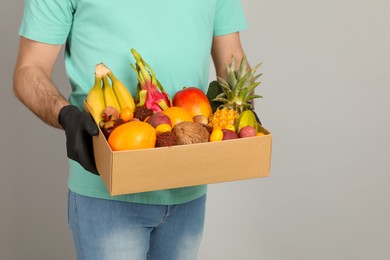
column 34, row 88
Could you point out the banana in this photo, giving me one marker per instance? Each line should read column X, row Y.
column 95, row 100
column 121, row 92
column 109, row 95
column 246, row 118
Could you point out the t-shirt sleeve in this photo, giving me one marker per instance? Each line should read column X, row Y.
column 47, row 21
column 229, row 17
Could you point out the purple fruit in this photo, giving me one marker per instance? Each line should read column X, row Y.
column 247, row 131
column 229, row 134
column 158, row 119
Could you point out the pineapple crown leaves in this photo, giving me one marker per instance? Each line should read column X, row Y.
column 238, row 89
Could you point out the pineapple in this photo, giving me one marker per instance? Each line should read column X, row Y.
column 237, row 94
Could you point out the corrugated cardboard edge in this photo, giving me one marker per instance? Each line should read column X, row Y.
column 103, row 159
column 268, row 134
column 102, row 153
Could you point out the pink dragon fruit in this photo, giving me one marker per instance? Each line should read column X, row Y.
column 151, row 93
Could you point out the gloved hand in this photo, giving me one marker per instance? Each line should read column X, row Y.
column 79, row 128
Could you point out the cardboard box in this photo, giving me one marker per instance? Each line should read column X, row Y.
column 126, row 172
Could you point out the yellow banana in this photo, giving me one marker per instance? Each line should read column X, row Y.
column 121, row 92
column 95, row 100
column 246, row 118
column 109, row 95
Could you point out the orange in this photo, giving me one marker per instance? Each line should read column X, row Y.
column 126, row 114
column 132, row 135
column 177, row 115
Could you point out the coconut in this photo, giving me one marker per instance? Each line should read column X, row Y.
column 190, row 133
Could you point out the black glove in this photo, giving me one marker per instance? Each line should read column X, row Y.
column 79, row 128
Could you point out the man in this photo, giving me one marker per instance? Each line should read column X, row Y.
column 176, row 37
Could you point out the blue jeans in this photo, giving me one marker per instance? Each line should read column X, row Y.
column 115, row 230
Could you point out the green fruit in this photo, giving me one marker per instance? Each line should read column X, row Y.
column 246, row 118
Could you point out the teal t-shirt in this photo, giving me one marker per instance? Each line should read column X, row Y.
column 173, row 36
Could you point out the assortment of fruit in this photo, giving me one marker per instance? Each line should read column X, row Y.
column 153, row 119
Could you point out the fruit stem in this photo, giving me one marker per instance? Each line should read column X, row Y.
column 101, row 70
column 98, row 82
column 111, row 76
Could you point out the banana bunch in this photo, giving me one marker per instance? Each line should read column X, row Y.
column 102, row 94
column 246, row 118
column 95, row 100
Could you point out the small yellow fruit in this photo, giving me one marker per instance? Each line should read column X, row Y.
column 126, row 114
column 216, row 135
column 162, row 128
column 229, row 127
column 260, row 134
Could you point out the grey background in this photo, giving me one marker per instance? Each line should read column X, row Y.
column 326, row 90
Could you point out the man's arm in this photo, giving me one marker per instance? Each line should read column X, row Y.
column 34, row 88
column 222, row 50
column 32, row 80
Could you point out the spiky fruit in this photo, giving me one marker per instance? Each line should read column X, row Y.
column 165, row 139
column 142, row 113
column 151, row 93
column 223, row 117
column 237, row 93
